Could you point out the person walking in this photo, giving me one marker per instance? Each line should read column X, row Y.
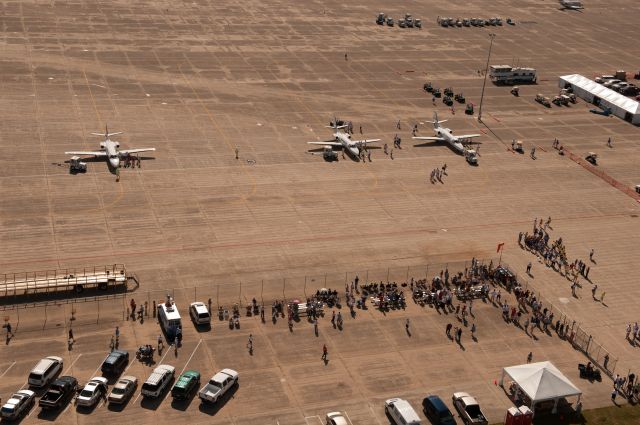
column 602, row 297
column 71, row 338
column 117, row 334
column 237, row 151
column 448, row 330
column 530, row 357
column 160, row 344
column 9, row 330
column 325, row 352
column 473, row 331
column 591, row 254
column 406, row 325
column 593, row 291
column 250, row 344
column 529, row 268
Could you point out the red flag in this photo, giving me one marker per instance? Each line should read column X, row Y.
column 500, row 246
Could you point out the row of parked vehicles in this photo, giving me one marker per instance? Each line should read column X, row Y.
column 62, row 389
column 619, row 85
column 402, row 413
column 407, row 21
column 472, row 22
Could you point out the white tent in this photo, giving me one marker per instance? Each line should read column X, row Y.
column 621, row 106
column 541, row 382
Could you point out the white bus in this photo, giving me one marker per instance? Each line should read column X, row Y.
column 169, row 318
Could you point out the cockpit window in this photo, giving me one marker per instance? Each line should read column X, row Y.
column 113, row 156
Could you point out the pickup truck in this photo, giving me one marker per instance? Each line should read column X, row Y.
column 59, row 393
column 218, row 385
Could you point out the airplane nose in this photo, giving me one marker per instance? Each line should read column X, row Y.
column 354, row 151
column 115, row 162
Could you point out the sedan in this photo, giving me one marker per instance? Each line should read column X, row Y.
column 123, row 389
column 469, row 409
column 18, row 405
column 336, row 418
column 115, row 362
column 92, row 392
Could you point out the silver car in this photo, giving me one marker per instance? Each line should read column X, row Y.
column 123, row 389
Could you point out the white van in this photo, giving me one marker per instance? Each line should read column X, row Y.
column 45, row 371
column 158, row 381
column 401, row 412
column 169, row 316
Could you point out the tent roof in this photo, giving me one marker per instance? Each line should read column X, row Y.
column 542, row 381
column 603, row 92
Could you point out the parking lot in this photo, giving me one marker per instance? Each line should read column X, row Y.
column 199, row 79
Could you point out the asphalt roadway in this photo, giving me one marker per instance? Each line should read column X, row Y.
column 197, row 80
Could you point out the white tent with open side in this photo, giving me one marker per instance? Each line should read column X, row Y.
column 541, row 382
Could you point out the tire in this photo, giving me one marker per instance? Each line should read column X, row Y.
column 78, row 289
column 102, row 286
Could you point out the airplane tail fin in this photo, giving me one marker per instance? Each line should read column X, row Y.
column 334, row 124
column 106, row 133
column 435, row 122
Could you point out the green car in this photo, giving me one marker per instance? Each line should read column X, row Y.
column 186, row 384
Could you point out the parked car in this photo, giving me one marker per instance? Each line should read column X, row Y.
column 59, row 393
column 218, row 385
column 336, row 418
column 18, row 405
column 186, row 384
column 611, row 82
column 123, row 389
column 401, row 412
column 199, row 313
column 115, row 362
column 92, row 392
column 437, row 412
column 158, row 381
column 469, row 409
column 45, row 371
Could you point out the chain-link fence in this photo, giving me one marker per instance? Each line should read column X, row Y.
column 573, row 332
column 32, row 313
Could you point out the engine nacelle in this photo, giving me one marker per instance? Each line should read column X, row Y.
column 102, row 145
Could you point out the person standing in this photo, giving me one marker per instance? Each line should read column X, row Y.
column 71, row 338
column 448, row 330
column 473, row 331
column 406, row 325
column 250, row 344
column 530, row 357
column 591, row 254
column 325, row 352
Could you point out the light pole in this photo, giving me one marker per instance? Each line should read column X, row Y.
column 486, row 69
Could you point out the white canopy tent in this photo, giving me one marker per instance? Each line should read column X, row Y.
column 541, row 382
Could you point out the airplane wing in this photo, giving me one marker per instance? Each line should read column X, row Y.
column 97, row 153
column 435, row 139
column 126, row 151
column 364, row 142
column 467, row 136
column 332, row 143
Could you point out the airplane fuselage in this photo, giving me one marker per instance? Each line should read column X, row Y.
column 447, row 136
column 111, row 148
column 347, row 144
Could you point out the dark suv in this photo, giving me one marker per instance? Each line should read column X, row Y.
column 115, row 362
column 437, row 412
